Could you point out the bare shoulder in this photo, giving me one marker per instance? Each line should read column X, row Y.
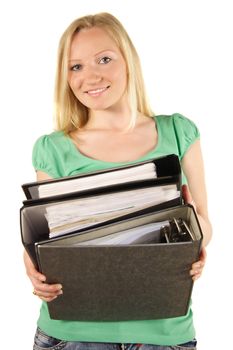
column 145, row 124
column 145, row 120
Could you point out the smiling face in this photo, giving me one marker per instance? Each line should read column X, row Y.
column 97, row 70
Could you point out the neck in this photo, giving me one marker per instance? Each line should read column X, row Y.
column 117, row 118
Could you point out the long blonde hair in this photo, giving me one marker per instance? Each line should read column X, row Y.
column 69, row 112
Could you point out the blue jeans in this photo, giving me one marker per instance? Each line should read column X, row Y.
column 43, row 341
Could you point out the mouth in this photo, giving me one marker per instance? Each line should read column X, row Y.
column 97, row 91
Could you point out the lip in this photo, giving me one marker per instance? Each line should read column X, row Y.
column 98, row 91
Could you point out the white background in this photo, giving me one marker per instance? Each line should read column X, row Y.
column 185, row 49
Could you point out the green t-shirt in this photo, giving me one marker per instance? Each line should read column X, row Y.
column 56, row 155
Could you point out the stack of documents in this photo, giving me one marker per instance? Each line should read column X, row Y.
column 74, row 204
column 137, row 173
column 145, row 234
column 72, row 215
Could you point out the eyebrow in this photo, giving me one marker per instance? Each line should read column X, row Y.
column 97, row 54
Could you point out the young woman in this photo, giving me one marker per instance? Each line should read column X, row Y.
column 104, row 120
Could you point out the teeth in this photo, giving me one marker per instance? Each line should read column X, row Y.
column 96, row 91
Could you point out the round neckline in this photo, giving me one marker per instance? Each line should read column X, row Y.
column 145, row 156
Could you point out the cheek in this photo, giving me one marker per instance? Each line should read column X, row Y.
column 120, row 75
column 74, row 82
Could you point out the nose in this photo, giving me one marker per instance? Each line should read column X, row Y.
column 92, row 76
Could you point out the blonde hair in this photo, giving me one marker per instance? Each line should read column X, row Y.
column 70, row 113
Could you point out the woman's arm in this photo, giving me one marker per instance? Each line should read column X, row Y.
column 195, row 194
column 44, row 291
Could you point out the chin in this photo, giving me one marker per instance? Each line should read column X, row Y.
column 99, row 106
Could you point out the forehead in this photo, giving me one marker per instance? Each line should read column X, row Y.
column 88, row 42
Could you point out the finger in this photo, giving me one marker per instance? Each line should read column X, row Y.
column 47, row 299
column 198, row 265
column 47, row 288
column 194, row 272
column 201, row 262
column 36, row 275
column 47, row 295
column 195, row 277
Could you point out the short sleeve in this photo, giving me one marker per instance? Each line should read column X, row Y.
column 42, row 158
column 186, row 133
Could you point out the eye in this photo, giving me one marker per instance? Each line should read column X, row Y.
column 76, row 67
column 105, row 60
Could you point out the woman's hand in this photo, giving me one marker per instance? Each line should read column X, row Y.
column 198, row 266
column 44, row 291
